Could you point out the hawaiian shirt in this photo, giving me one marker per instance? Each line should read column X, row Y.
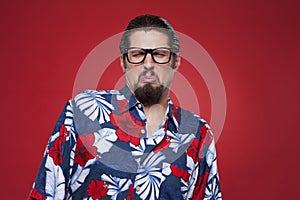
column 100, row 149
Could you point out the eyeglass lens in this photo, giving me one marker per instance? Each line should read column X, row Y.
column 159, row 55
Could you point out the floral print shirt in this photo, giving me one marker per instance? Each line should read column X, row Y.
column 99, row 149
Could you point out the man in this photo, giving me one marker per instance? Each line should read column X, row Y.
column 133, row 143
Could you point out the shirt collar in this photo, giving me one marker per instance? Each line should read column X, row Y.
column 132, row 102
column 173, row 114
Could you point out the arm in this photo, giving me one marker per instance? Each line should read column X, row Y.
column 53, row 175
column 207, row 184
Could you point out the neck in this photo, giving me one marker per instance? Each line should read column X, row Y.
column 155, row 115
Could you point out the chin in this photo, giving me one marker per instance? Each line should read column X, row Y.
column 148, row 94
column 147, row 83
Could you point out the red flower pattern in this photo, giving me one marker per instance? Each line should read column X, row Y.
column 164, row 144
column 55, row 151
column 129, row 128
column 131, row 190
column 35, row 195
column 193, row 150
column 200, row 187
column 206, row 135
column 199, row 147
column 85, row 149
column 206, row 138
column 166, row 125
column 122, row 105
column 180, row 173
column 97, row 189
column 203, row 131
column 175, row 113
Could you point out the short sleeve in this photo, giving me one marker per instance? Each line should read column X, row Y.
column 54, row 172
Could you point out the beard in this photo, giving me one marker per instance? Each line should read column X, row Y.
column 149, row 95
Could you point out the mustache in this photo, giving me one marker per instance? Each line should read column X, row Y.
column 152, row 73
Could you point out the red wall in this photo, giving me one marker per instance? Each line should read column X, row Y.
column 255, row 45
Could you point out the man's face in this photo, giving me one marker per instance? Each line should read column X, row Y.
column 149, row 75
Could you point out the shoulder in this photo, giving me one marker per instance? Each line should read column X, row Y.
column 91, row 108
column 190, row 122
column 95, row 94
column 94, row 98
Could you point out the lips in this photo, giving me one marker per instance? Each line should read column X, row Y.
column 148, row 79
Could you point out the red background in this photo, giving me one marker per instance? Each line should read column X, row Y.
column 255, row 45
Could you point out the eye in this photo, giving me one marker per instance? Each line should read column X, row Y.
column 161, row 53
column 136, row 53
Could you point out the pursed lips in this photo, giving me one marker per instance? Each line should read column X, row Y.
column 148, row 77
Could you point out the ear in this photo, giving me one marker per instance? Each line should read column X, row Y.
column 177, row 62
column 123, row 65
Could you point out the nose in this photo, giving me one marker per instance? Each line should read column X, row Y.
column 148, row 62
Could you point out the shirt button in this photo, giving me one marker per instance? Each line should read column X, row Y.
column 138, row 188
column 143, row 131
column 139, row 105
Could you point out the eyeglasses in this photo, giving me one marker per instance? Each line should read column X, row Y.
column 161, row 55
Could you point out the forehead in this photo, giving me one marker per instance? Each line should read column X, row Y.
column 148, row 39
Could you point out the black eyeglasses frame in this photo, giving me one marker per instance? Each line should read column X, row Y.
column 151, row 53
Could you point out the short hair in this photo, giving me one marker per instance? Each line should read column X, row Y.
column 149, row 22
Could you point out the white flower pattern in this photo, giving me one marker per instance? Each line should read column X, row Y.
column 155, row 164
